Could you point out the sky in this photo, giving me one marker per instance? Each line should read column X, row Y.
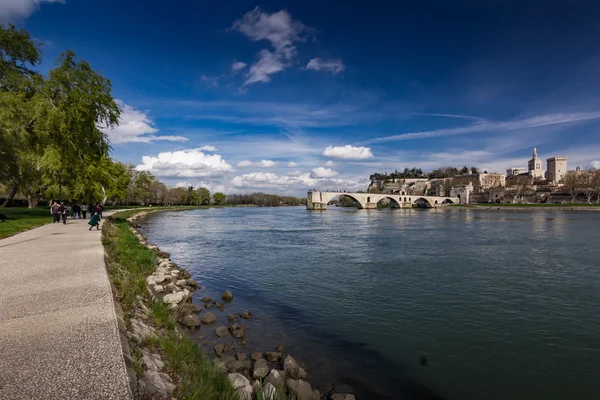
column 285, row 97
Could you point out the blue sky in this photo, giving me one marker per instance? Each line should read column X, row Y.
column 289, row 96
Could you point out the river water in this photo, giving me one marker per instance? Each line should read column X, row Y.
column 415, row 304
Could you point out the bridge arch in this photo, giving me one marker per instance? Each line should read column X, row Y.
column 359, row 204
column 447, row 201
column 394, row 202
column 423, row 202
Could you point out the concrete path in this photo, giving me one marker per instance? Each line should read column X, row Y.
column 58, row 329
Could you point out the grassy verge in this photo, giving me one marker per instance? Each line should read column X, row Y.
column 21, row 219
column 129, row 263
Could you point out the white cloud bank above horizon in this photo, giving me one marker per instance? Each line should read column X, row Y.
column 191, row 163
column 348, row 152
column 136, row 126
column 11, row 10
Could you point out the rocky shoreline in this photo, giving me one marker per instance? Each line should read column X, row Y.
column 268, row 374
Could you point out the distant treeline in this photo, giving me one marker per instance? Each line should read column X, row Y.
column 263, row 200
column 442, row 172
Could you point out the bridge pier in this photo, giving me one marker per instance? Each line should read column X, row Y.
column 370, row 206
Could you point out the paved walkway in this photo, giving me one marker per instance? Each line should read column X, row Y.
column 58, row 330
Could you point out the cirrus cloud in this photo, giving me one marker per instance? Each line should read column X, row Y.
column 191, row 163
column 348, row 152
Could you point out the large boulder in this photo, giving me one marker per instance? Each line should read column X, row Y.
column 241, row 356
column 238, row 333
column 188, row 308
column 174, row 298
column 245, row 392
column 276, row 378
column 192, row 282
column 238, row 380
column 206, row 299
column 273, row 356
column 261, row 369
column 293, row 369
column 256, row 355
column 221, row 331
column 227, row 296
column 191, row 320
column 208, row 318
column 301, row 389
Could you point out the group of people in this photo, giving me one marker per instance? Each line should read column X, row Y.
column 60, row 212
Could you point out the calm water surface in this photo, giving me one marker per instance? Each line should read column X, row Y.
column 503, row 304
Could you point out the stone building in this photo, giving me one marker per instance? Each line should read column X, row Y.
column 515, row 172
column 557, row 168
column 535, row 166
column 463, row 192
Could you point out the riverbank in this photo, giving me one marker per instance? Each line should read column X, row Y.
column 168, row 293
column 527, row 207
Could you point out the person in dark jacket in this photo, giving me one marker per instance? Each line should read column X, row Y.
column 55, row 213
column 63, row 211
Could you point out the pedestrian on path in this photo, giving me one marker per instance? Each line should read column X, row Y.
column 54, row 210
column 63, row 212
column 84, row 210
column 94, row 222
column 76, row 211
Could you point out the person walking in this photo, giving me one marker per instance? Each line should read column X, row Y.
column 83, row 210
column 76, row 211
column 92, row 210
column 54, row 210
column 99, row 209
column 94, row 222
column 62, row 211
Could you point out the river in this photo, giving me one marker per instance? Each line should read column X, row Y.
column 416, row 304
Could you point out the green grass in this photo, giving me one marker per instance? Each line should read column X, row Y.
column 129, row 263
column 21, row 219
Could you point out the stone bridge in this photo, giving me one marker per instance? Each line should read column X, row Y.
column 319, row 200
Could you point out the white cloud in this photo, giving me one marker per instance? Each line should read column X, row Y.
column 292, row 164
column 208, row 148
column 294, row 173
column 267, row 65
column 595, row 164
column 189, row 163
column 244, row 164
column 318, row 64
column 277, row 28
column 18, row 9
column 329, row 164
column 292, row 183
column 259, row 164
column 501, row 126
column 136, row 127
column 348, row 152
column 238, row 66
column 322, row 172
column 266, row 163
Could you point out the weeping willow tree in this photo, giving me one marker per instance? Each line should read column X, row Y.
column 52, row 128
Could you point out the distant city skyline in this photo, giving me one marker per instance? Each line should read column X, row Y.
column 289, row 96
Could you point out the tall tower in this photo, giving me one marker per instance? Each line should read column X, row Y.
column 535, row 166
column 557, row 168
